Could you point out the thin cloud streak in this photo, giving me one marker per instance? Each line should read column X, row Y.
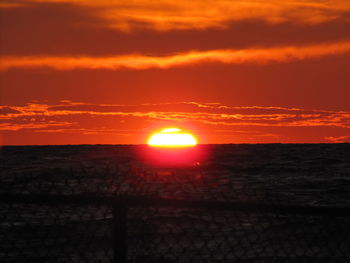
column 139, row 62
column 11, row 5
column 31, row 114
column 40, row 125
column 338, row 139
column 163, row 15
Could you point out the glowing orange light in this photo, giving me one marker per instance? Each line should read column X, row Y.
column 172, row 137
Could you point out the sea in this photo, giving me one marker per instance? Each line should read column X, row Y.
column 306, row 175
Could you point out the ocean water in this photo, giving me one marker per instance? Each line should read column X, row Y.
column 310, row 174
column 287, row 174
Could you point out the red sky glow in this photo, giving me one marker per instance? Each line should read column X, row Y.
column 112, row 72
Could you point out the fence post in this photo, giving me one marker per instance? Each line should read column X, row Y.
column 120, row 213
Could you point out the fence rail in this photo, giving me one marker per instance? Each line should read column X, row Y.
column 135, row 201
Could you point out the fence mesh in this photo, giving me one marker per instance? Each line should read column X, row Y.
column 84, row 233
column 56, row 233
column 187, row 235
column 128, row 212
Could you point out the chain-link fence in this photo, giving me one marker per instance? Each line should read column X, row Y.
column 147, row 214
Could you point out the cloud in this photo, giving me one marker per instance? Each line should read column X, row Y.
column 75, row 30
column 165, row 15
column 8, row 110
column 240, row 56
column 338, row 139
column 10, row 5
column 33, row 126
column 78, row 122
column 205, row 113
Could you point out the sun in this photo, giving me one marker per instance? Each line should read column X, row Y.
column 172, row 137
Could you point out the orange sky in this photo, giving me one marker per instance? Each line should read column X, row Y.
column 101, row 71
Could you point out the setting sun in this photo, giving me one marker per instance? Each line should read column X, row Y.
column 172, row 137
